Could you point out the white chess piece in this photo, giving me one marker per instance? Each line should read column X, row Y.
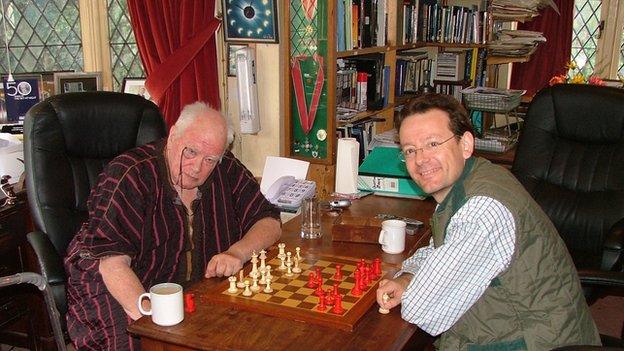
column 289, row 272
column 267, row 288
column 262, row 277
column 282, row 248
column 247, row 291
column 232, row 289
column 282, row 265
column 268, row 273
column 385, row 298
column 254, row 266
column 262, row 260
column 254, row 286
column 296, row 269
column 241, row 279
column 288, row 257
column 298, row 253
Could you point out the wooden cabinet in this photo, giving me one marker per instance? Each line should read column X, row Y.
column 309, row 79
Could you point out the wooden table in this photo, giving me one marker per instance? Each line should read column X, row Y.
column 216, row 327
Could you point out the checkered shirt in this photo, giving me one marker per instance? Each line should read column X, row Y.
column 448, row 280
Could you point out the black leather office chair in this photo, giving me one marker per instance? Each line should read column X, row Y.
column 68, row 139
column 570, row 158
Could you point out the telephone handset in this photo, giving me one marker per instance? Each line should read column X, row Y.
column 289, row 192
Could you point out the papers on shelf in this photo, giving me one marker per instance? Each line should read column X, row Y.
column 388, row 138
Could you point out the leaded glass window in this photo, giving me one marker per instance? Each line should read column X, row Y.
column 43, row 35
column 125, row 60
column 585, row 32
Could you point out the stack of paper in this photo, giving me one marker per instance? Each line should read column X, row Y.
column 515, row 43
column 519, row 10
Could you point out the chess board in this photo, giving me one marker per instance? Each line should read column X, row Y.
column 292, row 299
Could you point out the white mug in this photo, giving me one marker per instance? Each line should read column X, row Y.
column 167, row 304
column 392, row 236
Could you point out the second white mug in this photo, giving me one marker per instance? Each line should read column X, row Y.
column 167, row 304
column 392, row 236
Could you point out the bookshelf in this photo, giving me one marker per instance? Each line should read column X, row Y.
column 310, row 49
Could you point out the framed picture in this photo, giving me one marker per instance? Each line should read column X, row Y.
column 231, row 52
column 20, row 94
column 77, row 82
column 135, row 86
column 251, row 21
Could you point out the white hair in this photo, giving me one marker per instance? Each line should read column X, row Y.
column 191, row 112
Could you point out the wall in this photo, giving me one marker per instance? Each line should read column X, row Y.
column 252, row 150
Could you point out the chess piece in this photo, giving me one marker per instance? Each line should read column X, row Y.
column 296, row 269
column 321, row 306
column 268, row 273
column 385, row 297
column 377, row 268
column 189, row 302
column 338, row 274
column 298, row 253
column 254, row 268
column 262, row 261
column 232, row 289
column 338, row 309
column 262, row 276
column 311, row 281
column 255, row 287
column 267, row 288
column 288, row 257
column 282, row 248
column 289, row 272
column 356, row 291
column 247, row 291
column 241, row 280
column 319, row 290
column 282, row 265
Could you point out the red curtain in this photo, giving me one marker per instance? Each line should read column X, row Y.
column 551, row 57
column 177, row 47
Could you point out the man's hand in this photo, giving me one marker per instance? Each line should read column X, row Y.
column 394, row 289
column 224, row 264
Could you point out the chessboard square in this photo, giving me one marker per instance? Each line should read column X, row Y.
column 277, row 286
column 261, row 297
column 298, row 297
column 348, row 268
column 349, row 280
column 299, row 283
column 305, row 291
column 276, row 299
column 350, row 299
column 347, row 306
column 311, row 299
column 307, row 305
column 291, row 302
column 282, row 293
column 290, row 288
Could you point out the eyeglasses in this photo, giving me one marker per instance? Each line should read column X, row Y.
column 410, row 151
column 190, row 154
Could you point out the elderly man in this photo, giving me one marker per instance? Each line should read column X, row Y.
column 176, row 210
column 496, row 274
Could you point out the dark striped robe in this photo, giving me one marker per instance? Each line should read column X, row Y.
column 134, row 211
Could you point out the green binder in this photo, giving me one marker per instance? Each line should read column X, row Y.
column 383, row 173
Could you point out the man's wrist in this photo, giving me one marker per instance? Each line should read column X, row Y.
column 404, row 279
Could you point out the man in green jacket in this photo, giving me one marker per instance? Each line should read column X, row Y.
column 496, row 274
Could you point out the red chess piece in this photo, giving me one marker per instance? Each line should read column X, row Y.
column 363, row 285
column 189, row 303
column 321, row 306
column 356, row 291
column 319, row 290
column 329, row 297
column 337, row 309
column 377, row 267
column 311, row 281
column 336, row 291
column 338, row 274
column 318, row 273
column 369, row 275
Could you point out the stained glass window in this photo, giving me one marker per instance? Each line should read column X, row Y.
column 585, row 33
